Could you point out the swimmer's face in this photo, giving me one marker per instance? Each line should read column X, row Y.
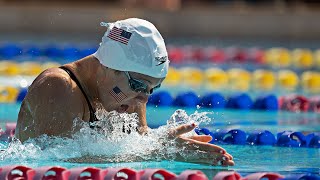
column 129, row 89
column 140, row 86
column 137, row 93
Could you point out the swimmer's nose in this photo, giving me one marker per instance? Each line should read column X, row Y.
column 142, row 97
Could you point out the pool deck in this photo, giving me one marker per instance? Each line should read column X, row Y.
column 216, row 21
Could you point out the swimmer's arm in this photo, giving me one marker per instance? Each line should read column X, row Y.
column 194, row 149
column 141, row 111
column 49, row 108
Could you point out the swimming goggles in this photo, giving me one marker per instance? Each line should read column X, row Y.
column 139, row 86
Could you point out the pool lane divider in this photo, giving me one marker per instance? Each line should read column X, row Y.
column 243, row 101
column 263, row 137
column 300, row 58
column 213, row 100
column 233, row 136
column 8, row 133
column 60, row 173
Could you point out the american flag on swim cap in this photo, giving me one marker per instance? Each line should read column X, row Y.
column 117, row 94
column 119, row 35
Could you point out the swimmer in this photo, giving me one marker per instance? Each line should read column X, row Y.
column 129, row 65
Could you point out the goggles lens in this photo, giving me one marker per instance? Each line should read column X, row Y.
column 139, row 86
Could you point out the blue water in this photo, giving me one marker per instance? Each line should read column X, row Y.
column 248, row 159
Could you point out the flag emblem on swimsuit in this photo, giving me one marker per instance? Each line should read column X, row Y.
column 117, row 94
column 119, row 35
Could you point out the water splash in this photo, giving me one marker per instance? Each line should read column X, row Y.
column 180, row 117
column 115, row 139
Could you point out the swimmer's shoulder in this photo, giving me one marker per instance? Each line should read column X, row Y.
column 54, row 74
column 53, row 78
column 50, row 105
column 54, row 90
column 54, row 84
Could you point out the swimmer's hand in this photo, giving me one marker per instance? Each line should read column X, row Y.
column 198, row 150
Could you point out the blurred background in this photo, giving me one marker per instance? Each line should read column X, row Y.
column 253, row 67
column 241, row 54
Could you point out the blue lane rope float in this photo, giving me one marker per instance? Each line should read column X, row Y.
column 161, row 98
column 213, row 100
column 239, row 101
column 33, row 51
column 266, row 102
column 53, row 51
column 235, row 136
column 315, row 141
column 301, row 177
column 186, row 99
column 22, row 93
column 285, row 138
column 71, row 53
column 261, row 138
column 10, row 50
column 88, row 51
column 291, row 139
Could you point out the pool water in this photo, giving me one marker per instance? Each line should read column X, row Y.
column 248, row 158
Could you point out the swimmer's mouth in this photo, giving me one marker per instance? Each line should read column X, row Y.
column 123, row 108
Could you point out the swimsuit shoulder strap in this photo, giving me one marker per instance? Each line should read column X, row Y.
column 74, row 78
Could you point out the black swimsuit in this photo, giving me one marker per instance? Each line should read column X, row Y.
column 93, row 117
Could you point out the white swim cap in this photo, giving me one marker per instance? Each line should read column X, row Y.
column 134, row 45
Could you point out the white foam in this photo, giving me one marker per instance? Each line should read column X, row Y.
column 107, row 143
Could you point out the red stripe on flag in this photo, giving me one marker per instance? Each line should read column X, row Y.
column 115, row 34
column 118, row 97
column 122, row 40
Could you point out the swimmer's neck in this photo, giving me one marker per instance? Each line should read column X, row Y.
column 89, row 72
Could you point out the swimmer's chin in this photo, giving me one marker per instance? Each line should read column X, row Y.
column 123, row 108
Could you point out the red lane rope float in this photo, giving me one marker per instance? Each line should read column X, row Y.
column 82, row 173
column 93, row 173
column 19, row 172
column 294, row 103
column 118, row 173
column 192, row 175
column 51, row 172
column 227, row 175
column 8, row 133
column 16, row 172
column 230, row 175
column 314, row 105
column 150, row 174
